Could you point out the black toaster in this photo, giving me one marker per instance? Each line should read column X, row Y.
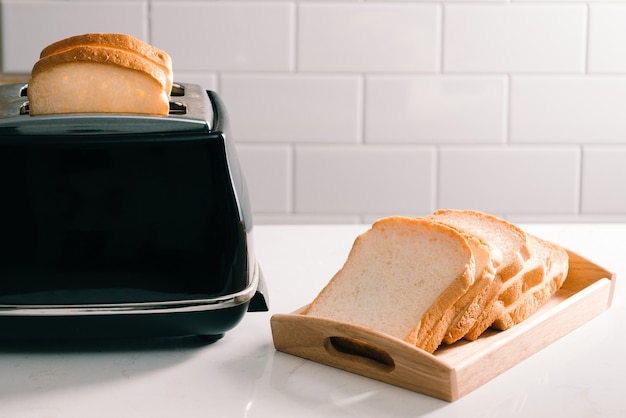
column 123, row 224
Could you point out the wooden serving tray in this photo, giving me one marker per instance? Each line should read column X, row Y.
column 453, row 370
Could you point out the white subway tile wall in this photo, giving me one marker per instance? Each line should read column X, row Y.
column 538, row 179
column 436, row 109
column 371, row 37
column 346, row 111
column 28, row 26
column 519, row 38
column 346, row 179
column 586, row 109
column 294, row 108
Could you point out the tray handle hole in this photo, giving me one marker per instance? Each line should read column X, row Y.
column 354, row 348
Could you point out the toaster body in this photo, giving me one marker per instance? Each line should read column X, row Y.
column 123, row 225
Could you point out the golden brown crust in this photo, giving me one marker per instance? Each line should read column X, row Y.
column 515, row 235
column 536, row 292
column 468, row 309
column 505, row 237
column 102, row 55
column 459, row 318
column 490, row 309
column 528, row 304
column 431, row 333
column 112, row 40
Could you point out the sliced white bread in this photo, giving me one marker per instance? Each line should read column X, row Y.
column 451, row 324
column 401, row 276
column 467, row 309
column 118, row 41
column 534, row 289
column 509, row 251
column 87, row 74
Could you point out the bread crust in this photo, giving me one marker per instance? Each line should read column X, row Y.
column 429, row 332
column 114, row 40
column 456, row 320
column 509, row 245
column 535, row 292
column 466, row 222
column 523, row 294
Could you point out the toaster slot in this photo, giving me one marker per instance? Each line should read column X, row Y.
column 25, row 108
column 178, row 108
column 177, row 90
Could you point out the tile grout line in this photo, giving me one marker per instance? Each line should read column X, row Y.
column 587, row 26
column 295, row 37
column 580, row 179
column 292, row 179
column 436, row 171
column 363, row 110
column 436, row 193
column 442, row 20
column 586, row 73
column 295, row 67
column 581, row 147
column 508, row 113
column 149, row 21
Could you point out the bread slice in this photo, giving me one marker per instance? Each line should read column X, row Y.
column 400, row 277
column 509, row 251
column 550, row 265
column 72, row 77
column 118, row 41
column 451, row 327
column 468, row 308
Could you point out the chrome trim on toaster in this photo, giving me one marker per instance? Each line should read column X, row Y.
column 190, row 305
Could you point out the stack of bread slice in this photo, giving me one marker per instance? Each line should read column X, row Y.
column 440, row 278
column 100, row 73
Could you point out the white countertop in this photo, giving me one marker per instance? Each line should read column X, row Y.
column 580, row 375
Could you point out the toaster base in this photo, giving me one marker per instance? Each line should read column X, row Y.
column 210, row 325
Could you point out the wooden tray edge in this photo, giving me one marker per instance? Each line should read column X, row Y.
column 361, row 351
column 455, row 371
column 501, row 350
